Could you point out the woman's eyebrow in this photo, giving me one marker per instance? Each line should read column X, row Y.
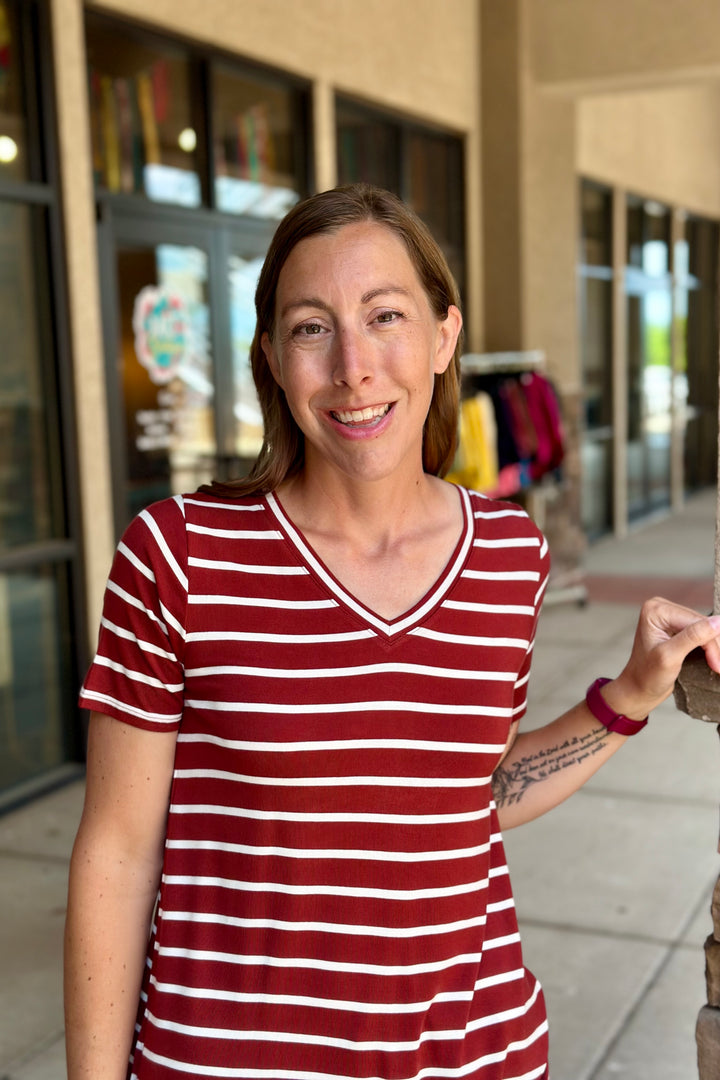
column 366, row 298
column 398, row 290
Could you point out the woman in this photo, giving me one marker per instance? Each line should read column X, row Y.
column 319, row 674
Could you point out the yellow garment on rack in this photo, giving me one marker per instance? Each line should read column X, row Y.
column 476, row 461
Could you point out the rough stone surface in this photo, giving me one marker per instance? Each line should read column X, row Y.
column 707, row 1033
column 712, row 971
column 697, row 690
column 715, row 909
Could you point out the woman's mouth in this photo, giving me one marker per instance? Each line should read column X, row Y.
column 361, row 417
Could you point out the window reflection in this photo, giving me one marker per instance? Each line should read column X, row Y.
column 13, row 147
column 29, row 501
column 651, row 384
column 165, row 370
column 256, row 150
column 595, row 294
column 141, row 116
column 243, row 274
column 33, row 671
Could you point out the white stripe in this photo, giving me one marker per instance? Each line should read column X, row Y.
column 347, row 929
column 500, row 513
column 164, row 548
column 356, row 1046
column 134, row 602
column 137, row 676
column 329, row 817
column 432, row 708
column 386, row 1008
column 502, row 575
column 352, row 854
column 327, row 781
column 464, row 639
column 509, row 542
column 428, row 1072
column 128, row 635
column 312, row 745
column 389, row 668
column 170, row 620
column 246, row 568
column 492, row 609
column 265, row 602
column 282, row 639
column 327, row 890
column 236, row 534
column 123, row 707
column 136, row 562
column 313, row 963
column 225, row 505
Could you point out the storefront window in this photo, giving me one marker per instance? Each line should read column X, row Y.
column 34, row 671
column 423, row 166
column 143, row 123
column 40, row 631
column 13, row 130
column 257, row 145
column 30, row 506
column 648, row 287
column 228, row 141
column 368, row 147
column 434, row 189
column 596, row 355
column 166, row 370
column 696, row 316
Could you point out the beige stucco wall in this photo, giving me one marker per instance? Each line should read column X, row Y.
column 662, row 143
column 581, row 45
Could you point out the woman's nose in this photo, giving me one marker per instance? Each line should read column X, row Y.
column 352, row 357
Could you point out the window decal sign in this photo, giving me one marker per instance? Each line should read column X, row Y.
column 162, row 332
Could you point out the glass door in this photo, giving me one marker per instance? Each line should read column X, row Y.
column 158, row 346
column 179, row 317
column 650, row 375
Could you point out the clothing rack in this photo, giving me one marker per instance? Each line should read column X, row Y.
column 502, row 362
column 567, row 586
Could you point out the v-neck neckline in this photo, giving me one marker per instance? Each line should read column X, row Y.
column 414, row 616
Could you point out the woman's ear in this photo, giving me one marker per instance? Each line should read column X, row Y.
column 271, row 357
column 448, row 333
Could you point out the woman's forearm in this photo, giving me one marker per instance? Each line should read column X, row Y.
column 544, row 767
column 109, row 912
column 110, row 908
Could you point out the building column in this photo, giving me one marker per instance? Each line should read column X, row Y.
column 84, row 298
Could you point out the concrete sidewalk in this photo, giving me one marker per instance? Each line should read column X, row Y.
column 613, row 888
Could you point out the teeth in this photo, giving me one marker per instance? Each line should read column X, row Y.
column 359, row 416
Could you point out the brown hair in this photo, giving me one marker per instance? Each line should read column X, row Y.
column 283, row 452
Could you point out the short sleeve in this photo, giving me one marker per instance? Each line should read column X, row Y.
column 137, row 674
column 541, row 568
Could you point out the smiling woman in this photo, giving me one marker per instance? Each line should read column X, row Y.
column 307, row 694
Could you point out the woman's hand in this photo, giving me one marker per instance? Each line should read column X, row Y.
column 665, row 634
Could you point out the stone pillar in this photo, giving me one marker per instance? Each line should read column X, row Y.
column 697, row 693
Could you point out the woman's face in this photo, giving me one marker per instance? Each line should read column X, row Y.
column 356, row 347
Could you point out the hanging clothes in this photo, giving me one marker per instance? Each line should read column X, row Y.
column 525, row 430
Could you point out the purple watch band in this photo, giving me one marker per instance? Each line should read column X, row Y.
column 613, row 721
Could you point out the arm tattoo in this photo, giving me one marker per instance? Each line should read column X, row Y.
column 510, row 782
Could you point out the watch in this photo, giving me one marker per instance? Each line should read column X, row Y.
column 613, row 721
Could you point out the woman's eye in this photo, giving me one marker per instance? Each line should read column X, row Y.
column 308, row 330
column 389, row 316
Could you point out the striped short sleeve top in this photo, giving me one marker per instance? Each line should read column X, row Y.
column 335, row 900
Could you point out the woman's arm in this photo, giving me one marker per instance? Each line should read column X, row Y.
column 114, row 876
column 542, row 768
